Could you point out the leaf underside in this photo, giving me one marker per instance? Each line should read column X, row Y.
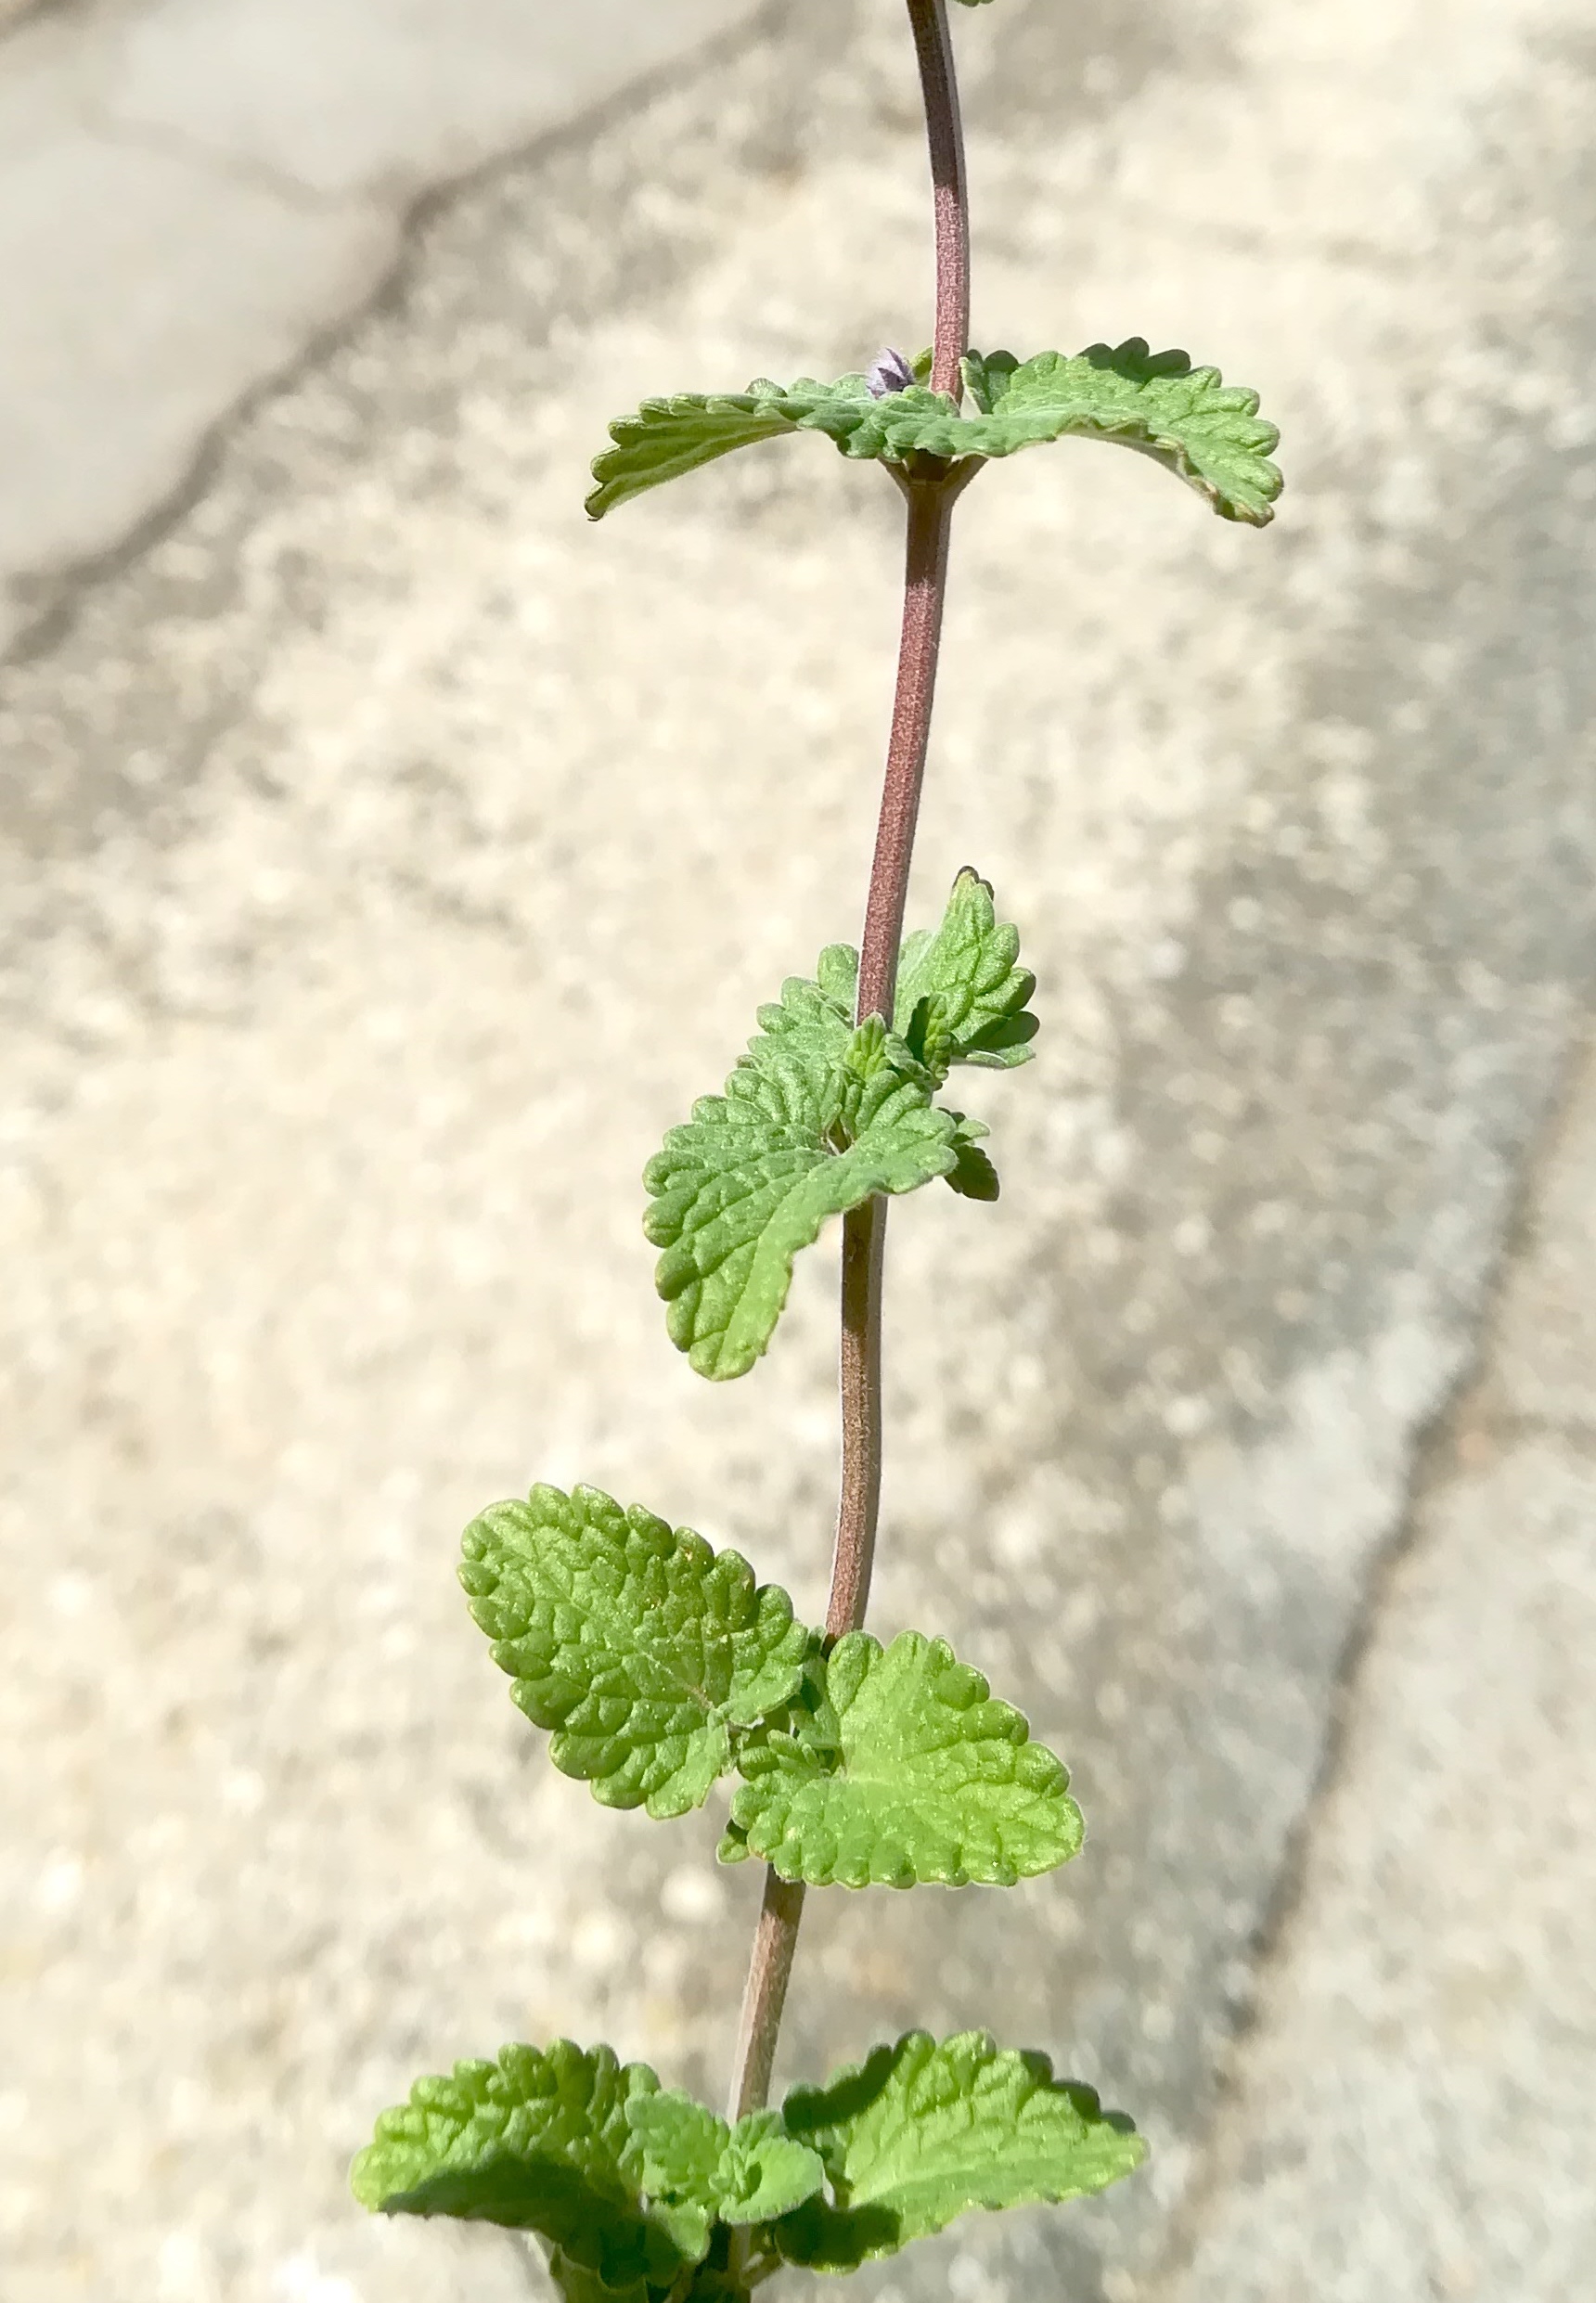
column 638, row 1647
column 918, row 2133
column 817, row 1117
column 636, row 2192
column 901, row 1771
column 962, row 997
column 1208, row 434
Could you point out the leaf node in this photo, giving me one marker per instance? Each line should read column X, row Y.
column 1208, row 434
column 818, row 1116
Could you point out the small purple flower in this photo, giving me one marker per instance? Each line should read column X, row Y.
column 891, row 373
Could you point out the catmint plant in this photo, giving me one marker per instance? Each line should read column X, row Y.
column 659, row 1667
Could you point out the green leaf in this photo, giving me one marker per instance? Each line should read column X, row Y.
column 752, row 1177
column 764, row 2173
column 637, row 1646
column 1207, row 433
column 539, row 2141
column 1187, row 419
column 750, row 2173
column 901, row 1770
column 681, row 2144
column 918, row 2134
column 583, row 2286
column 809, row 1022
column 960, row 996
column 818, row 1116
column 974, row 1177
column 669, row 437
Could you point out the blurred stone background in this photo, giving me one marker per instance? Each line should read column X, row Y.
column 388, row 858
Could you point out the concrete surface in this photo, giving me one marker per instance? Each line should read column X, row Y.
column 191, row 189
column 1410, row 2115
column 391, row 859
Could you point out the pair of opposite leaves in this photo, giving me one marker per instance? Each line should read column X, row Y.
column 819, row 1117
column 635, row 2189
column 658, row 1665
column 1208, row 434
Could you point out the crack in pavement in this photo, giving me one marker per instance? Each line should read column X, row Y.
column 43, row 590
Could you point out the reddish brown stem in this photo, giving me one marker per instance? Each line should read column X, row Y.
column 775, row 1941
column 925, row 586
column 931, row 501
column 864, row 1229
column 933, row 47
column 863, row 1246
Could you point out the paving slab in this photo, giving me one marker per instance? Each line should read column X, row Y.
column 189, row 194
column 1408, row 2117
column 390, row 858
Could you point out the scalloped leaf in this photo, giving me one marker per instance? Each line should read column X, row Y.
column 1208, row 434
column 809, row 1021
column 680, row 2143
column 749, row 2173
column 973, row 1177
column 900, row 1769
column 637, row 1646
column 960, row 996
column 538, row 2140
column 764, row 2172
column 919, row 2133
column 669, row 437
column 819, row 1117
column 749, row 1182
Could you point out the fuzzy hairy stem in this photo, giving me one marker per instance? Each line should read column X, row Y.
column 863, row 1246
column 925, row 587
column 930, row 500
column 775, row 1941
column 934, row 48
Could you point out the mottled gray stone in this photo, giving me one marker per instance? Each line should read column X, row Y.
column 1544, row 1364
column 1410, row 2117
column 192, row 191
column 386, row 98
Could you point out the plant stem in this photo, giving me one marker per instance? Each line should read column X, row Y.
column 775, row 1941
column 939, row 86
column 931, row 502
column 864, row 1230
column 864, row 1247
column 925, row 586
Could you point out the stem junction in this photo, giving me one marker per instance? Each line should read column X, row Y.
column 931, row 497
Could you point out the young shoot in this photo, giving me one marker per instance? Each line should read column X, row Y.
column 659, row 1667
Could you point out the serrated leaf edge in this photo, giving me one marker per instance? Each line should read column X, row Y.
column 767, row 410
column 736, row 1844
